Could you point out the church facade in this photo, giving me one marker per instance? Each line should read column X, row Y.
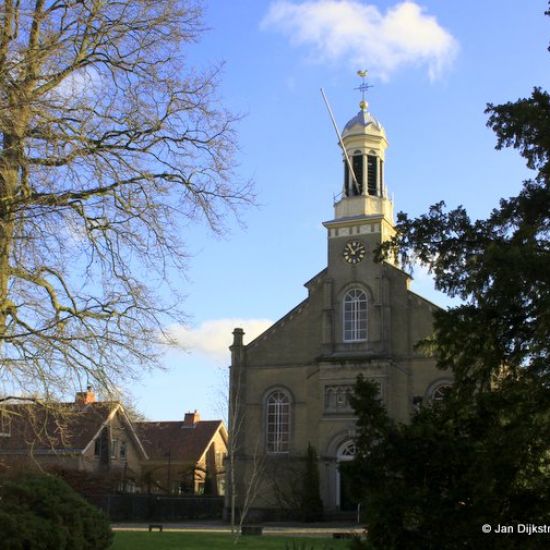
column 290, row 386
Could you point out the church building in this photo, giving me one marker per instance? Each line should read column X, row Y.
column 290, row 386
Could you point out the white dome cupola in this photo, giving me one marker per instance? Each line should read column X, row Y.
column 364, row 142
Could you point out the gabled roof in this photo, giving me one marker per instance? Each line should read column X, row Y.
column 183, row 442
column 57, row 428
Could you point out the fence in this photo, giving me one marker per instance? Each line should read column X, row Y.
column 160, row 508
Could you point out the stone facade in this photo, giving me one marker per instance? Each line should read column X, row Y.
column 291, row 385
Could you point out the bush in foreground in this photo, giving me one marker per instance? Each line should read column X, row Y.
column 42, row 512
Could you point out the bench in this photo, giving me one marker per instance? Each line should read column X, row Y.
column 155, row 526
column 251, row 530
column 342, row 535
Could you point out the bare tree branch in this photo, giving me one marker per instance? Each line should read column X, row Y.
column 110, row 144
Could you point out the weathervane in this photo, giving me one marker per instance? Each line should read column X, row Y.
column 363, row 87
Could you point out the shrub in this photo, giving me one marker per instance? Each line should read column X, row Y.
column 312, row 505
column 42, row 512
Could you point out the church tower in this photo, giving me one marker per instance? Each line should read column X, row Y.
column 358, row 315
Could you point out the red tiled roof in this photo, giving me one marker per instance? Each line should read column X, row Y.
column 61, row 427
column 184, row 443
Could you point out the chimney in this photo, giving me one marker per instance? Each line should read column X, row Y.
column 85, row 397
column 191, row 418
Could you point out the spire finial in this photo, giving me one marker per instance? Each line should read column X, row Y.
column 363, row 87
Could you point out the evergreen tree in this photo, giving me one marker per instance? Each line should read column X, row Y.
column 482, row 455
column 312, row 505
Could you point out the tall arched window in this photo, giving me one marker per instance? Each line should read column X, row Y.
column 355, row 316
column 277, row 422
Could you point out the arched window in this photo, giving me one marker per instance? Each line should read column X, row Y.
column 346, row 451
column 355, row 316
column 277, row 422
column 439, row 392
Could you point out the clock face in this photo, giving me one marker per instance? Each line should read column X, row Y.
column 354, row 252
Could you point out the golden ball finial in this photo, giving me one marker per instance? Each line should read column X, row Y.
column 363, row 87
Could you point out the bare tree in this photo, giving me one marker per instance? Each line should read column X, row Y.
column 110, row 145
column 245, row 485
column 245, row 464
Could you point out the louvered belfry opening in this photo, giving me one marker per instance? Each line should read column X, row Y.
column 373, row 178
column 357, row 163
column 372, row 171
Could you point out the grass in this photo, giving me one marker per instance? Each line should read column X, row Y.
column 140, row 540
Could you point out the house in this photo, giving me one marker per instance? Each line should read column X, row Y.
column 89, row 436
column 290, row 386
column 185, row 457
column 98, row 449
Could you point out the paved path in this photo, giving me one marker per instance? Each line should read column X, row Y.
column 281, row 529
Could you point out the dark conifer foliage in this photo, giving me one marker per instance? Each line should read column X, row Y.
column 482, row 455
column 312, row 505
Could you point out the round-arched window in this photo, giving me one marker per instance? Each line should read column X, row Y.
column 346, row 452
column 355, row 315
column 277, row 422
column 439, row 392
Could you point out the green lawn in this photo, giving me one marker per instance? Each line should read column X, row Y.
column 140, row 540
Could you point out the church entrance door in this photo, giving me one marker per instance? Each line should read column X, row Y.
column 344, row 500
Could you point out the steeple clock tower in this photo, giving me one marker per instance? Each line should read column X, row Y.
column 363, row 213
column 357, row 313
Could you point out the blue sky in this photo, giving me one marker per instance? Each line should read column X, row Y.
column 433, row 65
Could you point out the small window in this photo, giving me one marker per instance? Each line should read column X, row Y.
column 355, row 316
column 101, row 446
column 122, row 452
column 219, row 460
column 277, row 422
column 5, row 424
column 221, row 486
column 114, row 448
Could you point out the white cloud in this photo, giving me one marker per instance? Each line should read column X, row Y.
column 85, row 83
column 213, row 338
column 359, row 32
